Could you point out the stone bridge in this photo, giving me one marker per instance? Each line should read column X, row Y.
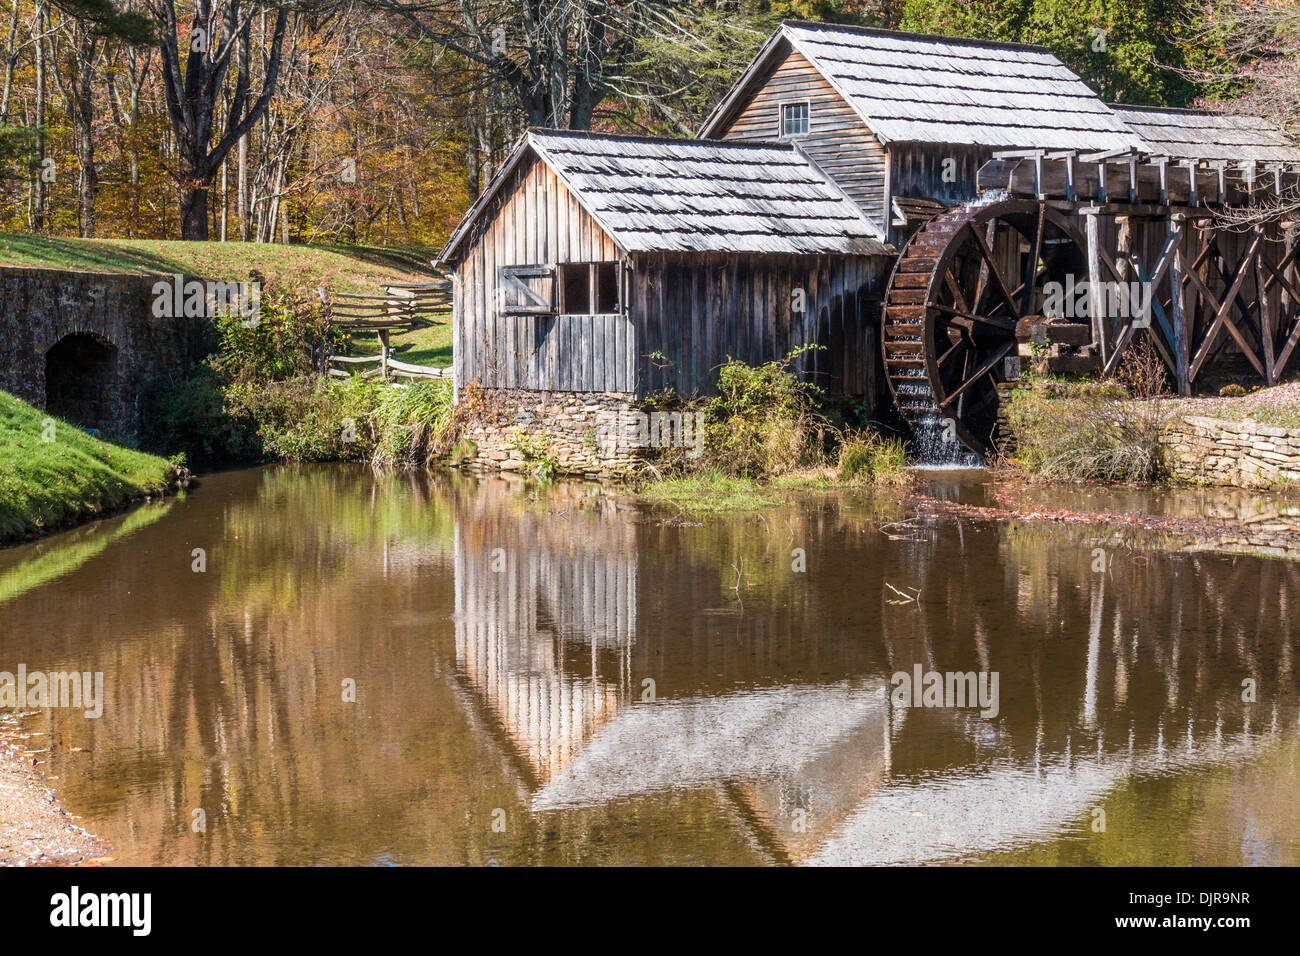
column 87, row 347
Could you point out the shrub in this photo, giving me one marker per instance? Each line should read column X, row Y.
column 284, row 343
column 295, row 419
column 763, row 422
column 190, row 415
column 535, row 449
column 317, row 419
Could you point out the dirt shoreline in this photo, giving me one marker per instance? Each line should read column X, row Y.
column 1264, row 538
column 34, row 829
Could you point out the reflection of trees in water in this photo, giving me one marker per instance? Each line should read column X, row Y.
column 223, row 706
column 308, row 522
column 1159, row 643
column 31, row 566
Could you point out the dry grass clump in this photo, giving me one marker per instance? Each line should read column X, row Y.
column 1097, row 431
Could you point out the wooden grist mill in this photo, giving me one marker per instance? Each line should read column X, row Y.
column 927, row 211
column 1087, row 253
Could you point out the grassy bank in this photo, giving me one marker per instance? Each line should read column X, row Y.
column 53, row 474
column 428, row 346
column 258, row 397
column 1088, row 431
column 297, row 269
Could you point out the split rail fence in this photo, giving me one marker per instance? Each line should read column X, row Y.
column 401, row 307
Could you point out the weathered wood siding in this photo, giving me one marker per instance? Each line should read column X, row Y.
column 700, row 310
column 917, row 171
column 838, row 141
column 536, row 221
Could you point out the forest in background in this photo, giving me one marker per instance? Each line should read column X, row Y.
column 378, row 121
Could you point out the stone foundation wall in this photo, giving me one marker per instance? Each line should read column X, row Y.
column 588, row 433
column 1242, row 454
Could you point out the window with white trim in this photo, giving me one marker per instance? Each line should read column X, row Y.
column 794, row 119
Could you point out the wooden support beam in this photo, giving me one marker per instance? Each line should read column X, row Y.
column 1266, row 338
column 1092, row 231
column 1163, row 163
column 1120, row 332
column 1182, row 333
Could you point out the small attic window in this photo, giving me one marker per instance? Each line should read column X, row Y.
column 794, row 119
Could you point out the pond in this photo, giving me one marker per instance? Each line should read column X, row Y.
column 392, row 668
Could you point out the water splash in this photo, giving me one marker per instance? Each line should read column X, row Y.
column 935, row 446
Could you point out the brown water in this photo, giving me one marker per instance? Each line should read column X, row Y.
column 499, row 713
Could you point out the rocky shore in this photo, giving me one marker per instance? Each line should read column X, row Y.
column 34, row 829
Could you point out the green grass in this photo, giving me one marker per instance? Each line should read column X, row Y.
column 49, row 484
column 867, row 457
column 301, row 268
column 1288, row 417
column 709, row 491
column 430, row 346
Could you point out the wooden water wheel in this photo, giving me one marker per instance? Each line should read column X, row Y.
column 964, row 286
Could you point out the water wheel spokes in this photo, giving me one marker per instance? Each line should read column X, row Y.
column 961, row 289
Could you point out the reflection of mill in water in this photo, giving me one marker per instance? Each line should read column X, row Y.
column 586, row 738
column 516, row 628
column 544, row 646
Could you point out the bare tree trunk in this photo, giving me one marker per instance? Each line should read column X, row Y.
column 225, row 200
column 126, row 116
column 87, row 178
column 11, row 61
column 133, row 117
column 38, row 185
column 194, row 212
column 241, row 191
column 78, row 96
column 193, row 94
column 241, row 175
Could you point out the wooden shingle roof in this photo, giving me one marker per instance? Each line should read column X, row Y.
column 1199, row 134
column 919, row 88
column 668, row 195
